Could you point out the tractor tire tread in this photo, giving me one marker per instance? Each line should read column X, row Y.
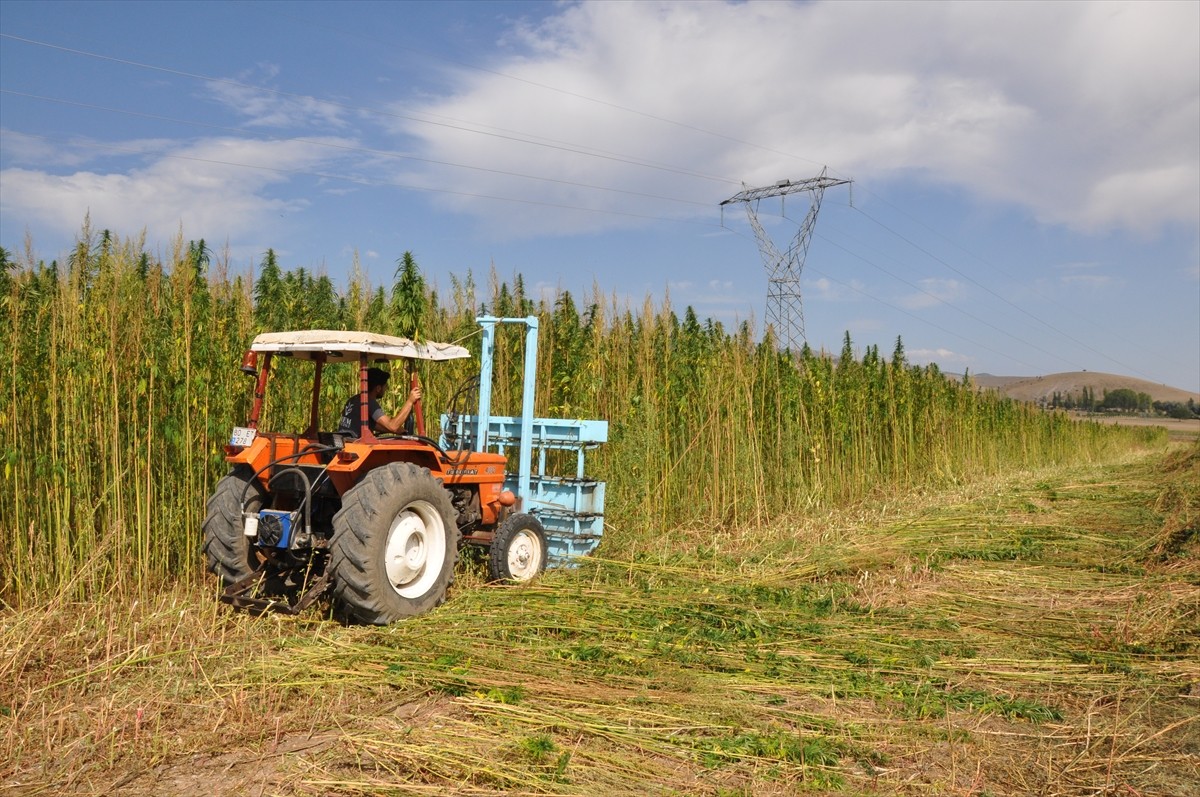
column 359, row 531
column 227, row 550
column 498, row 568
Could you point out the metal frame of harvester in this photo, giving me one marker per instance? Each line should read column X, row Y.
column 570, row 508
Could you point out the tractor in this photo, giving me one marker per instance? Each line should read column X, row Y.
column 374, row 522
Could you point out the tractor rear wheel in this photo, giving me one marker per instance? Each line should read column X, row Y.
column 229, row 552
column 518, row 551
column 394, row 545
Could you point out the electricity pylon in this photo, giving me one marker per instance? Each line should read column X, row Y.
column 784, row 309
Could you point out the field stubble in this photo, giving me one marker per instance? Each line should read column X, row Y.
column 1035, row 635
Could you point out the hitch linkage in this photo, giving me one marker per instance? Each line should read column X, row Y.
column 238, row 595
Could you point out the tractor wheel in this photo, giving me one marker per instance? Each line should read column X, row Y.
column 518, row 551
column 394, row 545
column 230, row 554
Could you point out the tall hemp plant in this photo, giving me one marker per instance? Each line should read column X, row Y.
column 120, row 383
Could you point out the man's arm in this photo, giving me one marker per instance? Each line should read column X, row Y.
column 395, row 423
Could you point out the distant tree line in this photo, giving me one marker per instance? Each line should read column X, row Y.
column 1123, row 400
column 1178, row 409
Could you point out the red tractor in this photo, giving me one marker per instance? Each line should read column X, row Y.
column 375, row 521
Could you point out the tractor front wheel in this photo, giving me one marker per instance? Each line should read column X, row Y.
column 518, row 551
column 394, row 545
column 229, row 552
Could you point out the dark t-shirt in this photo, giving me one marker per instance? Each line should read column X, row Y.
column 351, row 416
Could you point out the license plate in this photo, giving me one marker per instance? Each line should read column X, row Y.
column 242, row 436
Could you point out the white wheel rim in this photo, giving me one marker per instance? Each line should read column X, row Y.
column 524, row 556
column 416, row 549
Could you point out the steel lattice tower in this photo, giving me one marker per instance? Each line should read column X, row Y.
column 784, row 309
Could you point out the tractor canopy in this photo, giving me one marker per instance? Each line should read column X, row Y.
column 347, row 346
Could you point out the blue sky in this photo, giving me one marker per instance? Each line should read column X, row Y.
column 1026, row 195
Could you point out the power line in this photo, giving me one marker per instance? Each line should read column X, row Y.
column 1065, row 309
column 924, row 321
column 1016, row 307
column 386, row 183
column 530, row 139
column 942, row 301
column 557, row 90
column 737, row 140
column 375, row 182
column 350, row 148
column 521, row 138
column 975, row 255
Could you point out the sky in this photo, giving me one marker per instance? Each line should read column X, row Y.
column 1025, row 177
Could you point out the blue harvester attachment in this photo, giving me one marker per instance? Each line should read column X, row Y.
column 570, row 507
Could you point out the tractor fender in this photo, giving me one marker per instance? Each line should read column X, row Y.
column 356, row 460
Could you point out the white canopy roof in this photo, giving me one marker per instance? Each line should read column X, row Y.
column 343, row 346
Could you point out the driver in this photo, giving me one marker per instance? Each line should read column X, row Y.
column 377, row 380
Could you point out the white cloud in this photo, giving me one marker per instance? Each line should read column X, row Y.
column 545, row 291
column 1085, row 114
column 932, row 293
column 39, row 152
column 203, row 187
column 1092, row 281
column 21, row 148
column 721, row 300
column 861, row 326
column 946, row 359
column 264, row 106
column 1163, row 190
column 825, row 289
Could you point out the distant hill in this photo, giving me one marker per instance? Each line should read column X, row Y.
column 1037, row 388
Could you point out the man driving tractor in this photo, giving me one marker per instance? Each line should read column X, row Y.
column 377, row 380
